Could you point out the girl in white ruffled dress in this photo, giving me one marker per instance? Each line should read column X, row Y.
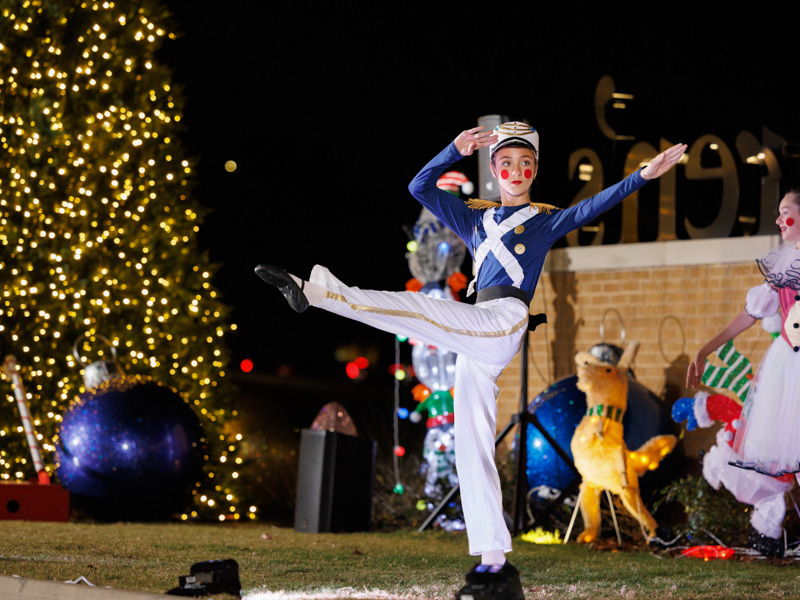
column 767, row 438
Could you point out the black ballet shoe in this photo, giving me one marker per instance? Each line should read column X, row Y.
column 492, row 582
column 286, row 285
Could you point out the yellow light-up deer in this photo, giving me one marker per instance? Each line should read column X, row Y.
column 598, row 449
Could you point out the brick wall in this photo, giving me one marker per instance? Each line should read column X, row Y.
column 670, row 297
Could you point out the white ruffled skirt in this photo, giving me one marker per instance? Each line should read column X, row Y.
column 768, row 438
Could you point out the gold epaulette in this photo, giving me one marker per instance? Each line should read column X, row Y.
column 479, row 204
column 544, row 208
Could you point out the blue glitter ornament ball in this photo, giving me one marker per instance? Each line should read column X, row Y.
column 561, row 406
column 130, row 449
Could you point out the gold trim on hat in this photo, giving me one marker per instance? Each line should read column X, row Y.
column 421, row 317
column 515, row 128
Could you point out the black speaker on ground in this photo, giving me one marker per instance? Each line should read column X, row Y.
column 334, row 482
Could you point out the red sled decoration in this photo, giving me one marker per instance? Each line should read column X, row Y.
column 23, row 501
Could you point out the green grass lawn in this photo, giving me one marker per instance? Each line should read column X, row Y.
column 150, row 557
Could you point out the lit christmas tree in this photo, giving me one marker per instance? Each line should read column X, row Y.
column 99, row 230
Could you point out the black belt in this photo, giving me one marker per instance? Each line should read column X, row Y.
column 509, row 291
column 502, row 291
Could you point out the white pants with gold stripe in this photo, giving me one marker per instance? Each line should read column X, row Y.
column 486, row 337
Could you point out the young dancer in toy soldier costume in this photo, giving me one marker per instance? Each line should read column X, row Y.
column 508, row 242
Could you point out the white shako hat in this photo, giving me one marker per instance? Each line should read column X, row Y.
column 515, row 132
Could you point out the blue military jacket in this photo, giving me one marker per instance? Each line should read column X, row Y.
column 509, row 243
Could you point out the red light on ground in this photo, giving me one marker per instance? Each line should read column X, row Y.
column 361, row 362
column 352, row 370
column 709, row 552
column 246, row 365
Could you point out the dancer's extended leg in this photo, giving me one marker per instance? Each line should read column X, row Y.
column 298, row 293
column 490, row 332
column 486, row 337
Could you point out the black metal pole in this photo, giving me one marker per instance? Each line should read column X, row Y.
column 521, row 484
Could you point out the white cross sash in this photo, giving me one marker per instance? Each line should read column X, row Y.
column 494, row 244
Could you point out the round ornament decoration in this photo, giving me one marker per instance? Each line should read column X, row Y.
column 129, row 448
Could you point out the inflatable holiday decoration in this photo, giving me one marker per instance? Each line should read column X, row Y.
column 434, row 259
column 455, row 182
column 439, row 445
column 735, row 376
column 435, row 369
column 598, row 448
column 436, row 253
column 334, row 417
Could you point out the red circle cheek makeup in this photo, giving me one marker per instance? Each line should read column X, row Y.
column 504, row 174
column 789, row 221
column 528, row 173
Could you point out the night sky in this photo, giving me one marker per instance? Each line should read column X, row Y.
column 330, row 108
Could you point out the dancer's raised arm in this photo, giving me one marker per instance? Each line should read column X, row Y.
column 471, row 139
column 738, row 324
column 663, row 162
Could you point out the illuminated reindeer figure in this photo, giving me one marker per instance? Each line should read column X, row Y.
column 598, row 449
